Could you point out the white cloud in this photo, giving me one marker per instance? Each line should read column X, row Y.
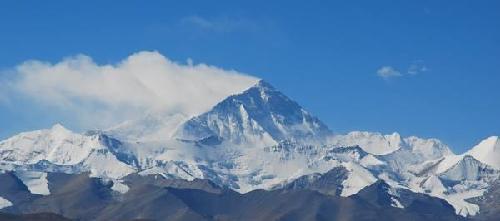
column 417, row 68
column 223, row 24
column 387, row 72
column 145, row 81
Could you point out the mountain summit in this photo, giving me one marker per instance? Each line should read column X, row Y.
column 260, row 114
column 488, row 151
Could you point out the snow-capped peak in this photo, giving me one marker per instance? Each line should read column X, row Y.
column 487, row 151
column 57, row 144
column 264, row 89
column 408, row 150
column 62, row 148
column 261, row 113
column 59, row 128
column 373, row 143
column 427, row 148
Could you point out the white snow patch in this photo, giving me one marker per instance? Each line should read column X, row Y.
column 386, row 178
column 462, row 207
column 105, row 165
column 357, row 179
column 173, row 171
column 434, row 185
column 118, row 186
column 456, row 197
column 36, row 182
column 447, row 162
column 4, row 203
column 395, row 203
column 394, row 200
column 370, row 160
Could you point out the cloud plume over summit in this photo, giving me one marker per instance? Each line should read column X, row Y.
column 144, row 81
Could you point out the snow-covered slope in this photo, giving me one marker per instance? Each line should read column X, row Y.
column 379, row 144
column 467, row 179
column 260, row 114
column 4, row 203
column 374, row 143
column 398, row 153
column 488, row 151
column 470, row 169
column 57, row 145
column 429, row 166
column 62, row 148
column 152, row 127
column 35, row 181
column 414, row 152
column 455, row 178
column 358, row 178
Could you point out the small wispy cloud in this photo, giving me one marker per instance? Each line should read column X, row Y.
column 387, row 72
column 415, row 68
column 222, row 24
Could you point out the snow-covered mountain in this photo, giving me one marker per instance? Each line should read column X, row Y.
column 488, row 151
column 261, row 115
column 402, row 151
column 59, row 146
column 257, row 139
column 374, row 143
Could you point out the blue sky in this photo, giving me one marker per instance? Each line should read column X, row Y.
column 426, row 68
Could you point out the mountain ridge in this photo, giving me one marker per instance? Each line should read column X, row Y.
column 257, row 139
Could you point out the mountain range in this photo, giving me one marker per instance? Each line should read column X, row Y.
column 256, row 155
